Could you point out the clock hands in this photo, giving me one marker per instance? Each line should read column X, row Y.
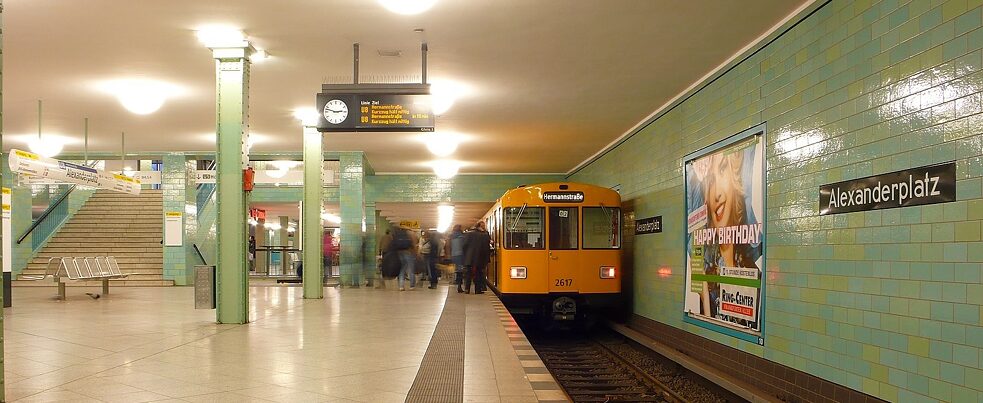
column 332, row 110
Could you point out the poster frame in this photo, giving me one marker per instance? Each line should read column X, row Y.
column 757, row 130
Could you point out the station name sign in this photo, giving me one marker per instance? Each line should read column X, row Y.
column 911, row 187
column 351, row 112
column 36, row 166
column 563, row 197
column 651, row 225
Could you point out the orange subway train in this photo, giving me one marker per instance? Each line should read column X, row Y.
column 557, row 250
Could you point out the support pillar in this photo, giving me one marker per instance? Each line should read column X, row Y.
column 282, row 233
column 369, row 241
column 232, row 91
column 352, row 216
column 313, row 231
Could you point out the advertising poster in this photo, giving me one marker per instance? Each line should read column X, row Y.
column 725, row 237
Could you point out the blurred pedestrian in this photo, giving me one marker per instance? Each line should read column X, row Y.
column 457, row 255
column 404, row 243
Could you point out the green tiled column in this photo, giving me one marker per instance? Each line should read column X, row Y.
column 352, row 216
column 232, row 70
column 174, row 186
column 20, row 220
column 311, row 217
column 369, row 248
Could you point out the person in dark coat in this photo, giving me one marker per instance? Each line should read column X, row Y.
column 477, row 253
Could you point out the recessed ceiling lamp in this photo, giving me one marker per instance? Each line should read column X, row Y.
column 407, row 7
column 140, row 96
column 443, row 94
column 441, row 144
column 446, row 169
column 217, row 36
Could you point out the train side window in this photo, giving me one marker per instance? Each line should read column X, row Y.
column 563, row 228
column 602, row 228
column 523, row 231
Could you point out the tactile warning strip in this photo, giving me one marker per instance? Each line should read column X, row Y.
column 441, row 374
column 543, row 383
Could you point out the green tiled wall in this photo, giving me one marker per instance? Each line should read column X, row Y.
column 352, row 204
column 887, row 302
column 178, row 189
column 461, row 188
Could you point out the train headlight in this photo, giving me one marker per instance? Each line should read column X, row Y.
column 608, row 272
column 517, row 272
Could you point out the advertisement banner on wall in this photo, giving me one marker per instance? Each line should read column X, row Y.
column 725, row 236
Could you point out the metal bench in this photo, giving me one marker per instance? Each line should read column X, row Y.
column 66, row 269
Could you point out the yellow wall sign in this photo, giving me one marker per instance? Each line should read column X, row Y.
column 410, row 224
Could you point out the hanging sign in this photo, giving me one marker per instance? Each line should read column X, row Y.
column 911, row 187
column 651, row 225
column 271, row 176
column 27, row 163
column 341, row 112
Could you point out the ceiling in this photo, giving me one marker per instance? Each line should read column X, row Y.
column 551, row 81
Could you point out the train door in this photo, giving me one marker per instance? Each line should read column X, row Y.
column 563, row 248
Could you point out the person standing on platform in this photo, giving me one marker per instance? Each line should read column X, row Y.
column 477, row 253
column 457, row 255
column 404, row 242
column 252, row 253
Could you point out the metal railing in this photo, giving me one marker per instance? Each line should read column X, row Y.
column 281, row 261
column 200, row 256
column 51, row 218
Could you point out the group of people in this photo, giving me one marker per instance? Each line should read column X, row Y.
column 469, row 251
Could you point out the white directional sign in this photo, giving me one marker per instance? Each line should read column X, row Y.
column 27, row 163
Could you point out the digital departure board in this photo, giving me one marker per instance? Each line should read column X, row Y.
column 374, row 113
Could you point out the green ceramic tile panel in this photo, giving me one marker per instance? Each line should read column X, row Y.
column 855, row 89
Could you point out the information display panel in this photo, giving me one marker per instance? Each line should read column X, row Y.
column 340, row 112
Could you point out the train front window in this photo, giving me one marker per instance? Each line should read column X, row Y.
column 563, row 228
column 602, row 228
column 523, row 227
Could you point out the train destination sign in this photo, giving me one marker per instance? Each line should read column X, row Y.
column 651, row 225
column 347, row 112
column 911, row 187
column 27, row 163
column 563, row 197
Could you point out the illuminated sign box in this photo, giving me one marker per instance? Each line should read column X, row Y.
column 375, row 108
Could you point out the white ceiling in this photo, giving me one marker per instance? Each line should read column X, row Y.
column 553, row 81
column 465, row 213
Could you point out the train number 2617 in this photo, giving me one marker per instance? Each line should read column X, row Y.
column 563, row 282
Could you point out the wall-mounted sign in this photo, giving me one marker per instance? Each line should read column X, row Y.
column 910, row 187
column 27, row 163
column 8, row 239
column 341, row 112
column 271, row 176
column 563, row 197
column 651, row 225
column 412, row 224
column 173, row 228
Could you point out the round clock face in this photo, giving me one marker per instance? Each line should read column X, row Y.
column 335, row 111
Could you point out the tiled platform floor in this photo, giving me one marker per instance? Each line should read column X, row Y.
column 149, row 344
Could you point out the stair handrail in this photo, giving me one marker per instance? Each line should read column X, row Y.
column 200, row 256
column 52, row 207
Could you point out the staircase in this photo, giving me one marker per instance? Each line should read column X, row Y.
column 111, row 224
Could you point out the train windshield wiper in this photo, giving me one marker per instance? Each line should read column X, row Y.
column 516, row 221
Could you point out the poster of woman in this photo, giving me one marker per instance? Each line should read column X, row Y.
column 725, row 235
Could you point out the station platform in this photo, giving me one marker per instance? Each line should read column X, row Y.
column 355, row 345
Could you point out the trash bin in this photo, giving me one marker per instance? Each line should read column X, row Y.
column 204, row 287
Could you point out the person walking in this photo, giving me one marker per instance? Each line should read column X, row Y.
column 252, row 253
column 477, row 253
column 430, row 252
column 457, row 255
column 404, row 243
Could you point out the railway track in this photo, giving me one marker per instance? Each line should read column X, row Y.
column 589, row 371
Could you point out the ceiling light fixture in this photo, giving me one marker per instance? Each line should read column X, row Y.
column 407, row 7
column 445, row 216
column 140, row 96
column 443, row 94
column 446, row 169
column 47, row 146
column 307, row 116
column 221, row 37
column 441, row 144
column 331, row 218
column 259, row 56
